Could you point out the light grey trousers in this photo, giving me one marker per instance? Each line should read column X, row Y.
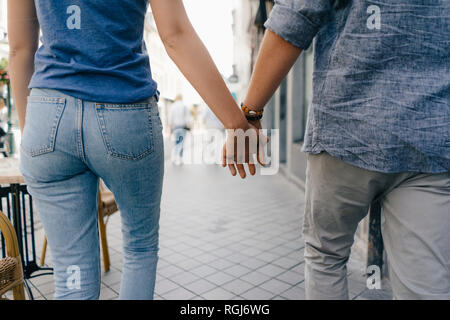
column 415, row 227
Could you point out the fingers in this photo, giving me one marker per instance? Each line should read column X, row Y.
column 244, row 154
column 252, row 169
column 232, row 169
column 241, row 170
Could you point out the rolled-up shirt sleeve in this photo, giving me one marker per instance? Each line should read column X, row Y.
column 298, row 21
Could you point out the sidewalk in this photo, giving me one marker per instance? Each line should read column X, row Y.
column 224, row 238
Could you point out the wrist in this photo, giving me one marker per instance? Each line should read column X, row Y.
column 238, row 122
column 252, row 105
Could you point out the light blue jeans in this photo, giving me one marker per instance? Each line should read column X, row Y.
column 67, row 145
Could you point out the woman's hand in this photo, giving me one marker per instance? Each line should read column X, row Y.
column 241, row 147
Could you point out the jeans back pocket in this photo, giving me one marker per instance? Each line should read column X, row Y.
column 127, row 129
column 42, row 118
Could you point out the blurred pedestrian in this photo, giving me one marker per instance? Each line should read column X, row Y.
column 180, row 122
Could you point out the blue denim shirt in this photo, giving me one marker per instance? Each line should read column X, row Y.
column 381, row 97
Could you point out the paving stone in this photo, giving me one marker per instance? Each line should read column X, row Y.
column 218, row 294
column 203, row 271
column 237, row 270
column 275, row 286
column 238, row 286
column 271, row 270
column 184, row 278
column 257, row 294
column 178, row 294
column 219, row 278
column 165, row 286
column 256, row 278
column 294, row 293
column 291, row 277
column 200, row 286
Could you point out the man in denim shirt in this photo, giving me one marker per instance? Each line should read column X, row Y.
column 378, row 129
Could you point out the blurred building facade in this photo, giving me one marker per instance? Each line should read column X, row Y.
column 3, row 30
column 165, row 73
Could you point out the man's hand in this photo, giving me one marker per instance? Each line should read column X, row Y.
column 241, row 147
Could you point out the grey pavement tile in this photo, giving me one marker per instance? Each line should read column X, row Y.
column 200, row 286
column 256, row 278
column 237, row 270
column 251, row 251
column 222, row 252
column 38, row 281
column 203, row 271
column 170, row 271
column 291, row 277
column 184, row 278
column 197, row 298
column 238, row 286
column 206, row 258
column 165, row 286
column 294, row 293
column 189, row 264
column 174, row 258
column 286, row 262
column 253, row 263
column 279, row 298
column 47, row 289
column 282, row 251
column 178, row 294
column 218, row 294
column 115, row 287
column 107, row 294
column 257, row 294
column 219, row 278
column 300, row 268
column 267, row 256
column 237, row 257
column 111, row 277
column 275, row 286
column 221, row 264
column 271, row 270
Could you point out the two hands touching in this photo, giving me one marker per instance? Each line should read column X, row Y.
column 242, row 146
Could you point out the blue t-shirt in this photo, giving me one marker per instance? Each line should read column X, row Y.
column 94, row 50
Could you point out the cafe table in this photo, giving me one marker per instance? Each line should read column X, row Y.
column 16, row 203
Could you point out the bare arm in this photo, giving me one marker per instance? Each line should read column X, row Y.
column 23, row 35
column 192, row 58
column 275, row 59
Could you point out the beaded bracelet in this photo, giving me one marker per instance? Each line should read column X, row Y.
column 251, row 115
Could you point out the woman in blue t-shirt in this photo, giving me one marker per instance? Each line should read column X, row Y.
column 92, row 113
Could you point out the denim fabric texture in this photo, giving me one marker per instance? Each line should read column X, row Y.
column 94, row 50
column 381, row 92
column 67, row 145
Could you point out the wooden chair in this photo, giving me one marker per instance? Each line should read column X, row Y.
column 106, row 207
column 11, row 274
